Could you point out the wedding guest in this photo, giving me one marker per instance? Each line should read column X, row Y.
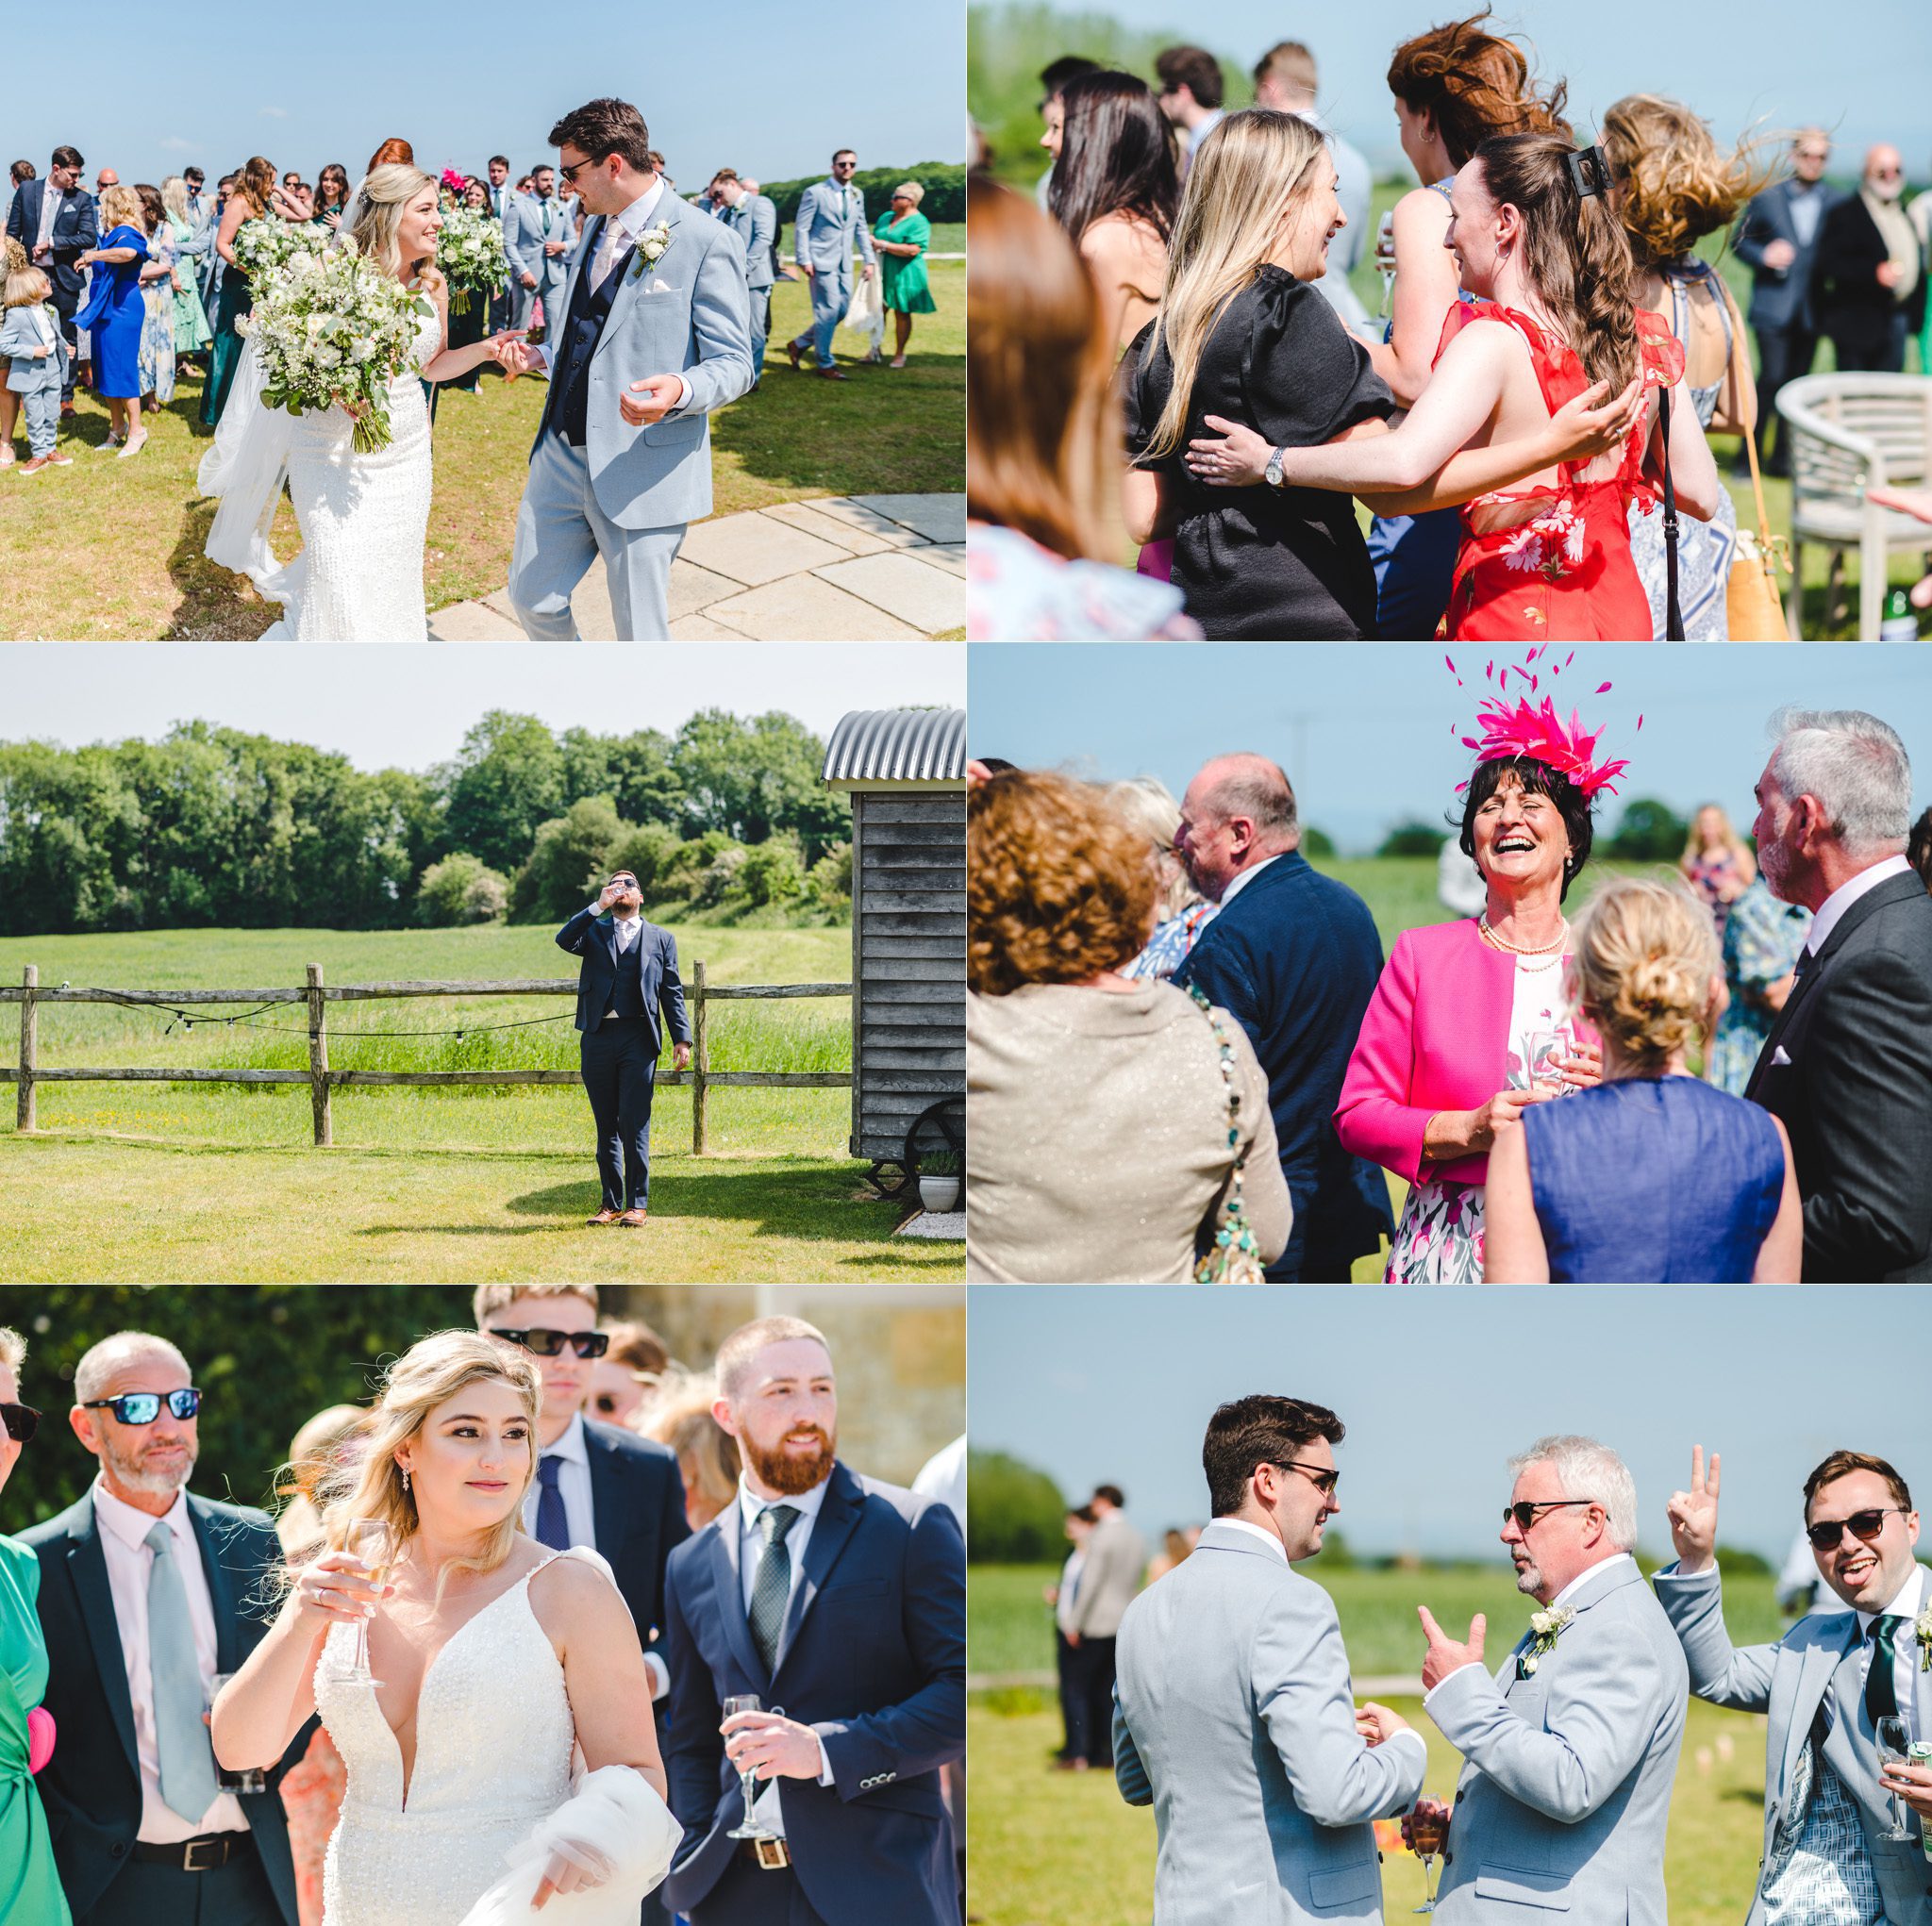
column 142, row 1827
column 35, row 356
column 1113, row 1125
column 1062, row 1595
column 1174, row 1548
column 30, row 1891
column 844, row 1599
column 1847, row 1065
column 1672, row 187
column 1294, row 955
column 1190, row 93
column 1111, row 1579
column 1467, row 1028
column 1870, row 275
column 681, row 1420
column 331, row 196
column 1116, row 190
column 115, row 314
column 57, row 220
column 158, row 277
column 1717, row 862
column 20, row 172
column 467, row 328
column 1763, row 942
column 537, row 236
column 187, row 244
column 829, row 223
column 624, row 1381
column 1053, row 83
column 752, row 217
column 903, row 238
column 252, row 196
column 1042, row 445
column 321, row 1451
column 1593, row 1191
column 1180, row 912
column 395, row 152
column 499, row 192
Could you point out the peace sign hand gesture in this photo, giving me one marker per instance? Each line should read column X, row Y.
column 1693, row 1517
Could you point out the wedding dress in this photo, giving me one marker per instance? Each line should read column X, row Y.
column 491, row 1786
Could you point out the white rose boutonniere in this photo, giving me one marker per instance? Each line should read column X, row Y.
column 1545, row 1628
column 651, row 247
column 1921, row 1630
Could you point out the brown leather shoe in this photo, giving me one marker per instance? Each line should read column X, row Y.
column 793, row 350
column 634, row 1217
column 833, row 374
column 606, row 1217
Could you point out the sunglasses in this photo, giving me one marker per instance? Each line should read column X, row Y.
column 1525, row 1511
column 546, row 1343
column 1863, row 1525
column 1324, row 1478
column 144, row 1407
column 21, row 1420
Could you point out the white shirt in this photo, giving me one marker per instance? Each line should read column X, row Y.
column 1582, row 1578
column 1241, row 882
column 1841, row 899
column 628, row 928
column 1909, row 1601
column 768, row 1806
column 51, row 205
column 123, row 1534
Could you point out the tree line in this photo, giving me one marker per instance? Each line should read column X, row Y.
column 210, row 826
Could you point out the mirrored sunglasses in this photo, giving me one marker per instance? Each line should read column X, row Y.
column 144, row 1407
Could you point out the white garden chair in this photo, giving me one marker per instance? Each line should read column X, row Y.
column 1849, row 433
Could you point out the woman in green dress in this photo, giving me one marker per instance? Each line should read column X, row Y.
column 30, row 1891
column 256, row 195
column 903, row 237
column 192, row 332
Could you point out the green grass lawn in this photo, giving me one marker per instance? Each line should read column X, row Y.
column 110, row 550
column 1061, row 1848
column 157, row 1182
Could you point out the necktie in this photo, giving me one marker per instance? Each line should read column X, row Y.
column 1881, row 1687
column 771, row 1589
column 1805, row 958
column 546, row 219
column 189, row 1783
column 609, row 238
column 553, row 1527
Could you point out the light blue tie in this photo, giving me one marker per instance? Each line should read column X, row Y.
column 189, row 1783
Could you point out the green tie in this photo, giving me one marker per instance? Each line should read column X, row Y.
column 1881, row 1687
column 770, row 1590
column 186, row 1758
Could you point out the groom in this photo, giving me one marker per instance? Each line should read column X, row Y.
column 654, row 332
column 629, row 975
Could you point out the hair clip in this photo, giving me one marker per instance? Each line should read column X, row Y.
column 1590, row 173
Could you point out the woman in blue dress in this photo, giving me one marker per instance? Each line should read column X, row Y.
column 116, row 313
column 1652, row 1176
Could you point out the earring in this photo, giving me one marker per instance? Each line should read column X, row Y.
column 406, row 1477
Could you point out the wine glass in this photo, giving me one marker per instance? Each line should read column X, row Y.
column 1428, row 1832
column 749, row 1828
column 1384, row 256
column 1893, row 1740
column 371, row 1541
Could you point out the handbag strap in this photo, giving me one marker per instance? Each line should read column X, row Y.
column 1673, row 614
column 1751, row 437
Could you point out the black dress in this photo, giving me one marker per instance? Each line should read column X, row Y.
column 1263, row 564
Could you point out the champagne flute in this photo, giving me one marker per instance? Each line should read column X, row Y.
column 371, row 1541
column 1428, row 1832
column 748, row 1828
column 1893, row 1741
column 1384, row 256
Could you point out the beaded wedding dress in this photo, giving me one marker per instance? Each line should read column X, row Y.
column 491, row 1783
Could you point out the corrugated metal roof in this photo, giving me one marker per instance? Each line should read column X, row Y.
column 898, row 746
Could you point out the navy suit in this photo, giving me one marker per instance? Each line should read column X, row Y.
column 77, row 227
column 1294, row 959
column 92, row 1785
column 873, row 1658
column 619, row 1054
column 1782, row 314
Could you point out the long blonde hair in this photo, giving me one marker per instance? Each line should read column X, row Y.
column 1675, row 185
column 386, row 190
column 428, row 1374
column 175, row 197
column 1693, row 843
column 1244, row 182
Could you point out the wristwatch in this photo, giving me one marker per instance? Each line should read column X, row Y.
column 1273, row 470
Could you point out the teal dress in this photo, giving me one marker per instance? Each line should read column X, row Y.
column 905, row 289
column 236, row 298
column 30, row 1891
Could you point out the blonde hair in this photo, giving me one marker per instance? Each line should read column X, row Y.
column 1642, row 956
column 26, row 286
column 12, row 1348
column 911, row 190
column 121, row 207
column 1693, row 843
column 1675, row 186
column 386, row 190
column 175, row 196
column 1148, row 805
column 706, row 1453
column 428, row 1374
column 317, row 1449
column 1243, row 183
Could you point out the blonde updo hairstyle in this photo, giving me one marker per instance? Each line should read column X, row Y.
column 427, row 1376
column 1673, row 186
column 1642, row 956
column 386, row 190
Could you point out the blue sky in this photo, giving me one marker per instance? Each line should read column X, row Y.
column 765, row 87
column 1116, row 1384
column 407, row 705
column 1364, row 731
column 1776, row 63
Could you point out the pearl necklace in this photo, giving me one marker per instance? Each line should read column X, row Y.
column 1482, row 923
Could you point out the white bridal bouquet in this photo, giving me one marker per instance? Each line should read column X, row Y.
column 332, row 331
column 471, row 254
column 268, row 242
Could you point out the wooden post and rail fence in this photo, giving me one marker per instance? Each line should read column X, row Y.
column 28, row 1074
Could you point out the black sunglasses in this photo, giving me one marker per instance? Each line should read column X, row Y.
column 1324, row 1478
column 1525, row 1512
column 144, row 1407
column 22, row 1421
column 1863, row 1525
column 547, row 1343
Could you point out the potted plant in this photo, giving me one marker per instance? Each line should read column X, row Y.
column 938, row 1181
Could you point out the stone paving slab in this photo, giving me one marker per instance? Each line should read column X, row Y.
column 845, row 511
column 950, row 556
column 803, row 608
column 752, row 549
column 939, row 518
column 701, row 628
column 929, row 599
column 848, row 536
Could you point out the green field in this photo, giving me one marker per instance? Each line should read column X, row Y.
column 1053, row 1849
column 158, row 1182
column 62, row 578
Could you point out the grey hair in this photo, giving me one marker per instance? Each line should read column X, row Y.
column 12, row 1349
column 1855, row 765
column 1260, row 790
column 1586, row 1469
column 95, row 1369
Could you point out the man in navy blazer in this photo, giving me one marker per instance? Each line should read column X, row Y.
column 840, row 1602
column 629, row 975
column 141, row 1828
column 1294, row 957
column 55, row 242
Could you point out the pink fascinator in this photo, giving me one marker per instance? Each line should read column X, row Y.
column 1535, row 729
column 40, row 1737
column 456, row 181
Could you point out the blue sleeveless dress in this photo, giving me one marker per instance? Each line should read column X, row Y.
column 1653, row 1179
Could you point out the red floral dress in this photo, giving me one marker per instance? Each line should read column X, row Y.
column 1554, row 564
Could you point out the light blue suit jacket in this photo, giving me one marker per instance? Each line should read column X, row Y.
column 522, row 238
column 755, row 221
column 1235, row 1720
column 1563, row 1805
column 1814, row 1668
column 691, row 315
column 19, row 338
column 831, row 222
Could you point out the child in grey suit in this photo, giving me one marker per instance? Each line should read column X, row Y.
column 36, row 356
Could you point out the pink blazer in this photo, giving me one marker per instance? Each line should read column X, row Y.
column 1435, row 1036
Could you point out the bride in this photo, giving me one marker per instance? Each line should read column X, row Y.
column 497, row 1665
column 364, row 517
